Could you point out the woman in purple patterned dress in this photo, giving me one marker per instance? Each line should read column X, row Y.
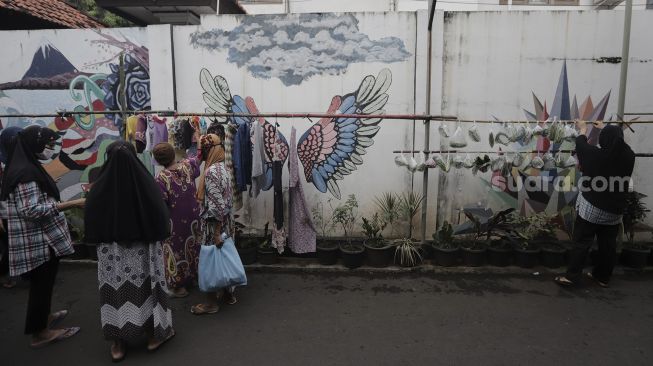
column 181, row 249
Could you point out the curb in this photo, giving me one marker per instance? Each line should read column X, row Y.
column 308, row 266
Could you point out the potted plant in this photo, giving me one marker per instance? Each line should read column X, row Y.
column 529, row 233
column 445, row 249
column 634, row 254
column 407, row 252
column 409, row 204
column 496, row 231
column 327, row 250
column 388, row 205
column 473, row 248
column 267, row 254
column 246, row 246
column 344, row 215
column 377, row 250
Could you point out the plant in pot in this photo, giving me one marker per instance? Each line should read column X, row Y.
column 267, row 254
column 75, row 219
column 408, row 205
column 247, row 246
column 445, row 248
column 634, row 254
column 407, row 253
column 344, row 215
column 376, row 248
column 388, row 205
column 496, row 231
column 529, row 234
column 473, row 248
column 327, row 250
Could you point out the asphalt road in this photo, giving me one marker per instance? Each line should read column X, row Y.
column 340, row 319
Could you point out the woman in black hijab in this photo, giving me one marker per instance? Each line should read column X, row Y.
column 38, row 233
column 600, row 203
column 127, row 217
column 7, row 141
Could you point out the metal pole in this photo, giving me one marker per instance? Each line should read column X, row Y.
column 624, row 59
column 427, row 123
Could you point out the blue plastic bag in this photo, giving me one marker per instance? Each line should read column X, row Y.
column 220, row 267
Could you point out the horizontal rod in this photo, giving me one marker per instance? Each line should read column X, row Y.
column 641, row 155
column 639, row 114
column 412, row 117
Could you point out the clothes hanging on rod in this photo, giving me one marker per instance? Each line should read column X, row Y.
column 242, row 157
column 230, row 131
column 301, row 231
column 279, row 234
column 258, row 160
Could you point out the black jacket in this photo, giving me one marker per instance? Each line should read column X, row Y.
column 597, row 162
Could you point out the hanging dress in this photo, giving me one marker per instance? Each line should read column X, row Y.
column 301, row 232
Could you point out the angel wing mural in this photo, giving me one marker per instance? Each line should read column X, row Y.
column 333, row 147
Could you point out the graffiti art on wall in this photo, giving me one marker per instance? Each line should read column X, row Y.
column 333, row 147
column 52, row 82
column 553, row 201
column 296, row 48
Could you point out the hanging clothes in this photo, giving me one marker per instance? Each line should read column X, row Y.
column 187, row 132
column 159, row 131
column 301, row 231
column 230, row 132
column 258, row 160
column 139, row 135
column 242, row 156
column 278, row 231
column 132, row 121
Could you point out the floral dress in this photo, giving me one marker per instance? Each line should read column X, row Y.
column 181, row 249
column 218, row 203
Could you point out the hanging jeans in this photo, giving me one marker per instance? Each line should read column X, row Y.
column 606, row 239
column 40, row 294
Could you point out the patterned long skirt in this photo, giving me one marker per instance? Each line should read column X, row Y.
column 133, row 300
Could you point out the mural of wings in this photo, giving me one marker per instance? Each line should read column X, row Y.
column 217, row 97
column 333, row 147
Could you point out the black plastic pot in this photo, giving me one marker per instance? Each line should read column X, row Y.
column 352, row 255
column 327, row 252
column 473, row 257
column 635, row 257
column 446, row 257
column 247, row 255
column 378, row 257
column 81, row 251
column 91, row 250
column 499, row 256
column 553, row 256
column 426, row 250
column 526, row 258
column 267, row 256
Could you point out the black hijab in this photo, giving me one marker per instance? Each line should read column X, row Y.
column 24, row 166
column 618, row 157
column 7, row 143
column 125, row 204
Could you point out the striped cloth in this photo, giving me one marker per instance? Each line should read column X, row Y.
column 229, row 136
column 595, row 215
column 34, row 225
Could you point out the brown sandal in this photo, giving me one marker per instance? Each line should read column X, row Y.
column 204, row 309
column 67, row 333
column 156, row 346
column 563, row 281
column 600, row 283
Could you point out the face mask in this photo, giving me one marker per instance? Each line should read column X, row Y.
column 46, row 155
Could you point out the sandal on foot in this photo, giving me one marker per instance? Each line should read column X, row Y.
column 563, row 281
column 156, row 346
column 179, row 294
column 57, row 317
column 67, row 333
column 9, row 284
column 600, row 283
column 118, row 356
column 203, row 309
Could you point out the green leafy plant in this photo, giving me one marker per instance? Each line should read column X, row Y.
column 373, row 229
column 526, row 229
column 320, row 219
column 409, row 204
column 495, row 230
column 408, row 252
column 345, row 216
column 266, row 244
column 443, row 237
column 388, row 204
column 634, row 213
